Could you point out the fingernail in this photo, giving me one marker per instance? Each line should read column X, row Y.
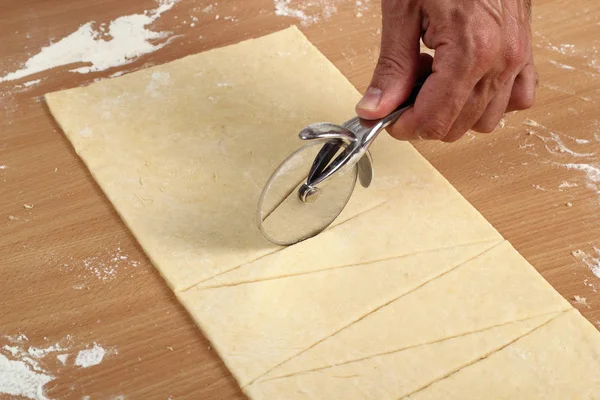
column 370, row 100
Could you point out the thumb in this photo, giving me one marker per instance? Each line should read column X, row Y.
column 396, row 69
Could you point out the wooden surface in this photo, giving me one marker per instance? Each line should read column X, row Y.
column 56, row 280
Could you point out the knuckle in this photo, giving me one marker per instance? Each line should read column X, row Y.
column 486, row 48
column 389, row 65
column 496, row 84
column 515, row 54
column 434, row 128
column 480, row 51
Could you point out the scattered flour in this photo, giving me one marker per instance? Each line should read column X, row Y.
column 17, row 379
column 589, row 284
column 564, row 49
column 560, row 65
column 3, row 167
column 307, row 12
column 591, row 171
column 580, row 300
column 581, row 141
column 157, row 81
column 125, row 40
column 104, row 267
column 532, row 123
column 209, row 8
column 561, row 147
column 90, row 357
column 566, row 185
column 361, row 7
column 21, row 373
column 31, row 83
column 25, row 369
column 555, row 143
column 41, row 353
column 591, row 261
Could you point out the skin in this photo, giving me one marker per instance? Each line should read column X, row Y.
column 483, row 66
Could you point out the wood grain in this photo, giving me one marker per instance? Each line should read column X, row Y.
column 48, row 253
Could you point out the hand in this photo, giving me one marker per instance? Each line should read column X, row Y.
column 483, row 66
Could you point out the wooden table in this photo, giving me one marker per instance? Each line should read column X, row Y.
column 56, row 257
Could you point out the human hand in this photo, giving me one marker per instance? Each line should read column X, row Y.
column 483, row 66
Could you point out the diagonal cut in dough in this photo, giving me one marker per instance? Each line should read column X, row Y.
column 485, row 291
column 558, row 361
column 393, row 375
column 298, row 311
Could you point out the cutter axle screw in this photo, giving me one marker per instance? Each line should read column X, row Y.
column 308, row 194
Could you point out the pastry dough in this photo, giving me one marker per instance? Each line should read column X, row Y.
column 410, row 293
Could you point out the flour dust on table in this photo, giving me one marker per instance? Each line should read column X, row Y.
column 26, row 369
column 120, row 42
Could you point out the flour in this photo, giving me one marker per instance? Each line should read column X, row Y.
column 208, row 9
column 25, row 369
column 124, row 41
column 361, row 7
column 566, row 185
column 564, row 49
column 581, row 301
column 561, row 147
column 565, row 91
column 591, row 261
column 560, row 65
column 3, row 166
column 158, row 80
column 31, row 83
column 589, row 284
column 17, row 379
column 90, row 357
column 592, row 173
column 104, row 267
column 532, row 123
column 307, row 12
column 41, row 353
column 62, row 358
column 21, row 374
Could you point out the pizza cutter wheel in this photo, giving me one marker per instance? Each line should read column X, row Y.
column 311, row 187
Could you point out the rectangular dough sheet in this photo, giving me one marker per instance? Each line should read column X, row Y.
column 410, row 294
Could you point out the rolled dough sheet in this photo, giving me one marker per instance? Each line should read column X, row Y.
column 411, row 292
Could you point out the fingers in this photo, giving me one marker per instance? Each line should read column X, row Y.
column 394, row 75
column 494, row 111
column 470, row 114
column 443, row 97
column 523, row 91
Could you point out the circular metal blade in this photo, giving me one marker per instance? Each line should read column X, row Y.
column 283, row 217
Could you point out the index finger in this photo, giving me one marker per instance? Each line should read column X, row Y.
column 442, row 96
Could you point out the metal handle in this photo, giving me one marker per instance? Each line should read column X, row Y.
column 367, row 130
column 354, row 137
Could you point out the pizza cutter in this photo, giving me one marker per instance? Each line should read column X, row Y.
column 311, row 187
